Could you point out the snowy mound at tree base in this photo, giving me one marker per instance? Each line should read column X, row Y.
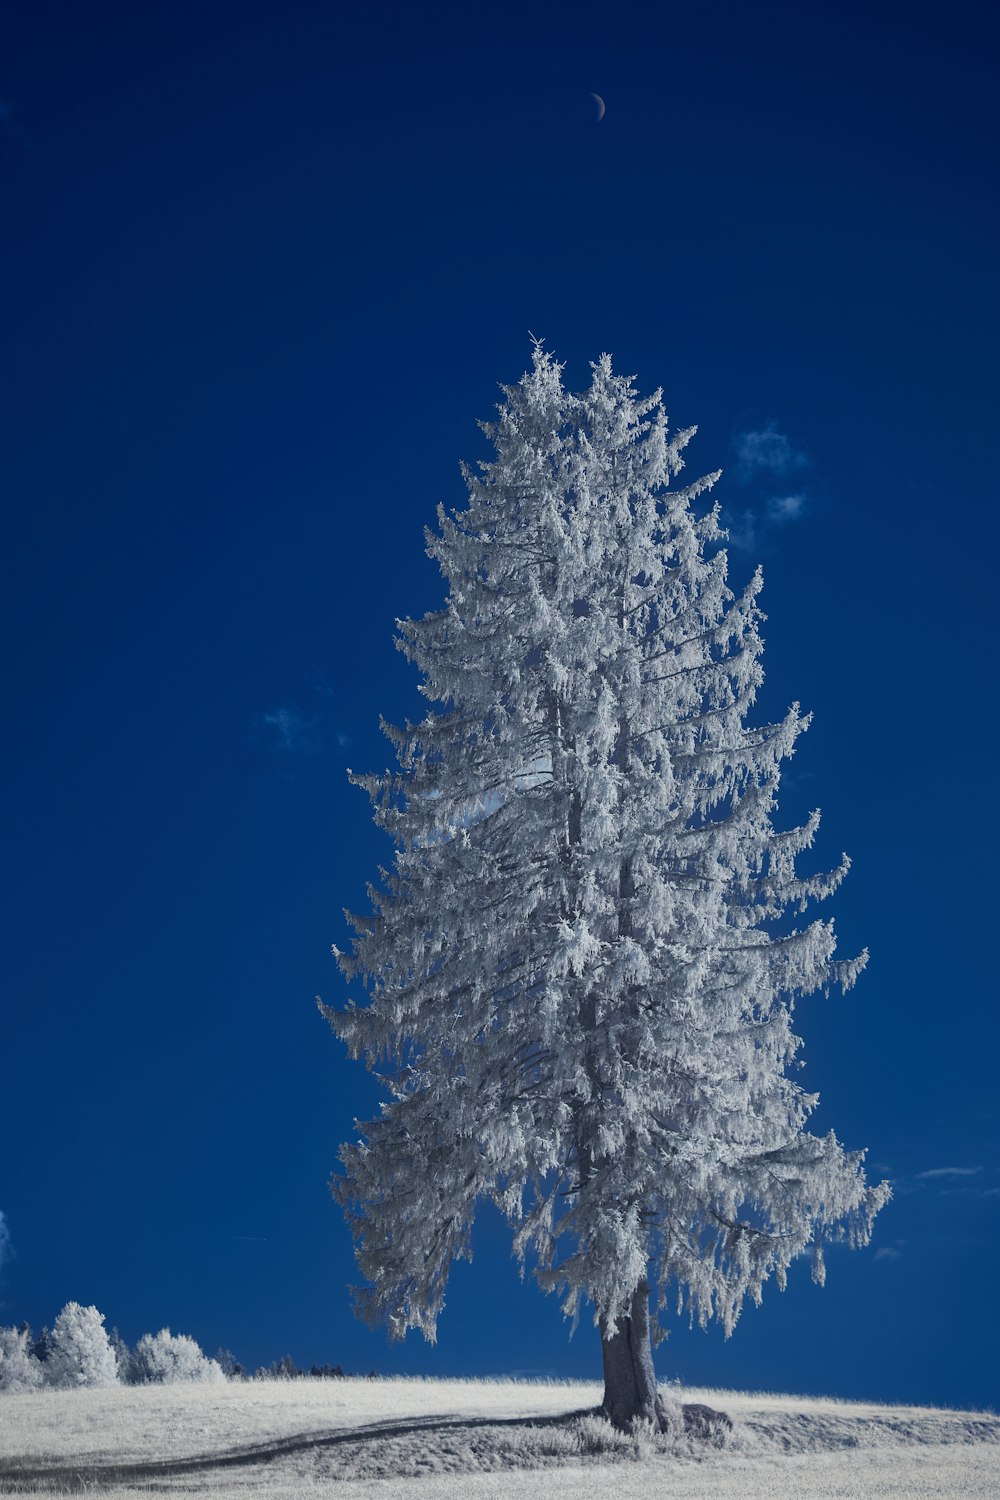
column 428, row 1438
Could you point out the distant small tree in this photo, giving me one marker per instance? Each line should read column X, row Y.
column 583, row 962
column 20, row 1369
column 123, row 1356
column 230, row 1365
column 167, row 1358
column 42, row 1346
column 80, row 1352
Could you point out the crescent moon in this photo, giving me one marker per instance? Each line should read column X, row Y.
column 600, row 105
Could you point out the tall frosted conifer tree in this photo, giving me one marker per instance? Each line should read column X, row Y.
column 582, row 965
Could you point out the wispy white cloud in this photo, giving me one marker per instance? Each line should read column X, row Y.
column 764, row 454
column 742, row 529
column 747, row 529
column 784, row 508
column 887, row 1252
column 6, row 1246
column 933, row 1172
column 766, row 450
column 973, row 1183
column 311, row 728
column 291, row 732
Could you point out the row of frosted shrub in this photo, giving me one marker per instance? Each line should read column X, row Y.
column 78, row 1351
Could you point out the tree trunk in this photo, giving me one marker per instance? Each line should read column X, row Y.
column 629, row 1382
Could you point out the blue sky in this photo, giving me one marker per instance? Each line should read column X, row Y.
column 262, row 269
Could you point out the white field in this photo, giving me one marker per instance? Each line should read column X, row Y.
column 431, row 1439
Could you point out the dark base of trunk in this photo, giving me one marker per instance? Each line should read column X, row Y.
column 630, row 1384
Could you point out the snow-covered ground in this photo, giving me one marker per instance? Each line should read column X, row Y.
column 425, row 1439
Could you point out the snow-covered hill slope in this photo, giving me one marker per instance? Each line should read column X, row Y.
column 425, row 1439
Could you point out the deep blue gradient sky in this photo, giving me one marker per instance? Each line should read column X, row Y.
column 261, row 269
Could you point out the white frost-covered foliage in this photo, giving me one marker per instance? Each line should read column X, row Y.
column 80, row 1353
column 20, row 1370
column 165, row 1358
column 580, row 967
